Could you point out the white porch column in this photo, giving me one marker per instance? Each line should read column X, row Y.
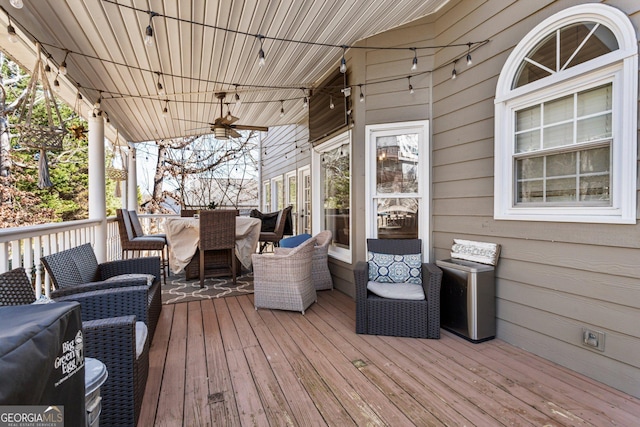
column 132, row 179
column 97, row 188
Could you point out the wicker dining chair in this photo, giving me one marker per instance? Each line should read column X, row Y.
column 283, row 281
column 275, row 236
column 130, row 243
column 113, row 333
column 376, row 315
column 217, row 244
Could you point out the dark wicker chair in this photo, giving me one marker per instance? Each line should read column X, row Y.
column 77, row 270
column 395, row 317
column 131, row 243
column 188, row 212
column 109, row 327
column 217, row 236
column 276, row 235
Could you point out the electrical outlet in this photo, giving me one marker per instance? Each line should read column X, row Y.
column 593, row 339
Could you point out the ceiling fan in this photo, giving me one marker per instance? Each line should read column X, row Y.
column 224, row 128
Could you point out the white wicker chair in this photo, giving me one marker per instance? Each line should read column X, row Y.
column 320, row 274
column 283, row 281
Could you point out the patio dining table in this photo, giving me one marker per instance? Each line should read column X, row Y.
column 183, row 236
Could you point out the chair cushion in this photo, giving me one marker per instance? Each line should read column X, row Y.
column 408, row 291
column 141, row 337
column 388, row 268
column 132, row 276
column 43, row 299
column 292, row 242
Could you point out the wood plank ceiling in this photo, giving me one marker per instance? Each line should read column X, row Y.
column 195, row 56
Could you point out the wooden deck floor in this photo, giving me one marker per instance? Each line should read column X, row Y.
column 217, row 363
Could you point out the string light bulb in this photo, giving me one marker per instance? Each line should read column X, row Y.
column 165, row 110
column 411, row 90
column 454, row 73
column 331, row 104
column 361, row 93
column 98, row 102
column 229, row 116
column 11, row 33
column 160, row 87
column 281, row 109
column 237, row 97
column 148, row 33
column 63, row 65
column 17, row 4
column 261, row 58
column 469, row 61
column 56, row 84
column 343, row 61
column 414, row 63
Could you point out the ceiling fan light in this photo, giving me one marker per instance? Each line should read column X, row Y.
column 220, row 132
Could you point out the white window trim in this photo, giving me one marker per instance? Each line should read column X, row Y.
column 372, row 131
column 342, row 139
column 266, row 204
column 621, row 67
column 274, row 195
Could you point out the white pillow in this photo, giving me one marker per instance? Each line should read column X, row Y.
column 141, row 337
column 408, row 291
column 149, row 277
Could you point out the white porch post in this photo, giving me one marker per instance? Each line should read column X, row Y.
column 97, row 184
column 132, row 180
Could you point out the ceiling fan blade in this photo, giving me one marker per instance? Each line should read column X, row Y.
column 249, row 127
column 233, row 133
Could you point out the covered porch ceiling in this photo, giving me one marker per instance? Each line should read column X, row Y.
column 200, row 48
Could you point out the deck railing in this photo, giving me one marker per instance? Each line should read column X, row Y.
column 24, row 246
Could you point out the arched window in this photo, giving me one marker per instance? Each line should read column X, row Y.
column 566, row 120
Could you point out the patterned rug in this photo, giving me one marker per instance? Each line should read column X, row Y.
column 178, row 289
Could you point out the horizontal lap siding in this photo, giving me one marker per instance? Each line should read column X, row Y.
column 553, row 279
column 282, row 156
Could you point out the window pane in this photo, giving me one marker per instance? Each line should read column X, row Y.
column 397, row 218
column 561, row 190
column 596, row 160
column 530, row 191
column 601, row 42
column 335, row 195
column 558, row 110
column 530, row 168
column 528, row 118
column 561, row 164
column 528, row 141
column 557, row 136
column 594, row 128
column 594, row 101
column 595, row 188
column 396, row 164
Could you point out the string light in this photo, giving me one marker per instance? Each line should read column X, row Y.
column 165, row 110
column 11, row 33
column 414, row 63
column 411, row 91
column 47, row 68
column 261, row 59
column 229, row 116
column 56, row 84
column 161, row 90
column 148, row 33
column 281, row 108
column 98, row 102
column 469, row 61
column 361, row 93
column 305, row 100
column 331, row 104
column 237, row 97
column 63, row 65
column 17, row 4
column 343, row 61
column 454, row 73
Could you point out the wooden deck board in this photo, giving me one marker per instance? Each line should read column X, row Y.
column 224, row 363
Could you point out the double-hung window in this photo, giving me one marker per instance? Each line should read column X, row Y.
column 566, row 121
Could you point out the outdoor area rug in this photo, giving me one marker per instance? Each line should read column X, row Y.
column 178, row 289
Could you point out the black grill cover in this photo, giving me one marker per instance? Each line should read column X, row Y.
column 42, row 358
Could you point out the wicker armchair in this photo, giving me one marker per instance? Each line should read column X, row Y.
column 130, row 242
column 283, row 281
column 376, row 315
column 76, row 270
column 218, row 238
column 188, row 212
column 275, row 236
column 110, row 329
column 320, row 274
